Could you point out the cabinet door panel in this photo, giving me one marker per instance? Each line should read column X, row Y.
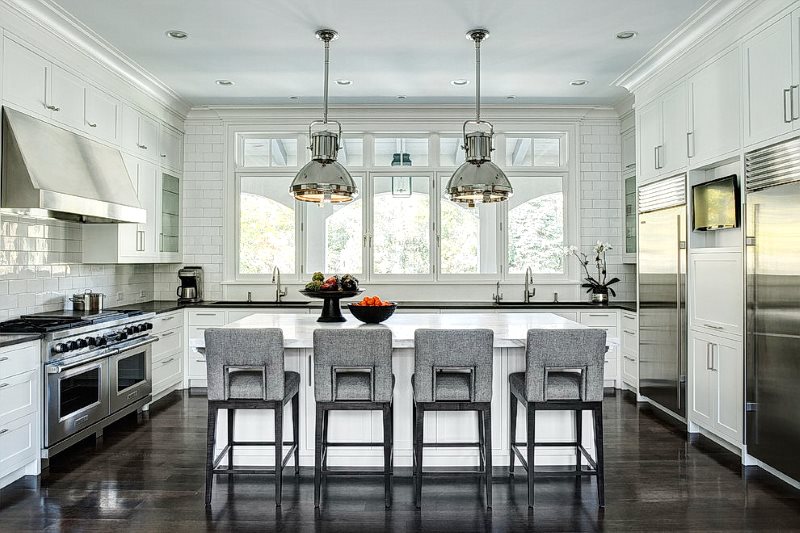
column 674, row 113
column 170, row 151
column 629, row 149
column 703, row 397
column 25, row 78
column 102, row 115
column 128, row 236
column 649, row 131
column 715, row 108
column 148, row 179
column 730, row 403
column 767, row 74
column 67, row 99
column 717, row 295
column 148, row 137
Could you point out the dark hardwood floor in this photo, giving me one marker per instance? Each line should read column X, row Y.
column 148, row 476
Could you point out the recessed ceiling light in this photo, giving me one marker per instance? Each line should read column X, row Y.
column 578, row 83
column 177, row 34
column 459, row 82
column 344, row 82
column 625, row 35
column 224, row 83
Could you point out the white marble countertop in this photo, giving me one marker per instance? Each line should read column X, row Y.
column 510, row 329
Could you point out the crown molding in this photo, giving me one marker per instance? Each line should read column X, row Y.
column 702, row 23
column 52, row 18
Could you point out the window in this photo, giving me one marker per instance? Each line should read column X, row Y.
column 467, row 236
column 450, row 152
column 351, row 153
column 401, row 216
column 401, row 151
column 333, row 236
column 536, row 225
column 261, row 151
column 535, row 150
column 266, row 225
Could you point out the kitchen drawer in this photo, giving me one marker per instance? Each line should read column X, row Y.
column 611, row 333
column 630, row 369
column 629, row 340
column 167, row 371
column 19, row 396
column 19, row 443
column 167, row 321
column 599, row 318
column 610, row 369
column 18, row 359
column 196, row 367
column 168, row 342
column 206, row 318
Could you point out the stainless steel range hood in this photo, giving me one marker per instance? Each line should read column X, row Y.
column 49, row 171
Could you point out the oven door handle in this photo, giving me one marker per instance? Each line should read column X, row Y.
column 57, row 368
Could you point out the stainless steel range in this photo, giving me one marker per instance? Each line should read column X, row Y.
column 97, row 369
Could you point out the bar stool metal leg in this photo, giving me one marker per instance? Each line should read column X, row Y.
column 419, row 438
column 512, row 432
column 387, row 455
column 318, row 456
column 212, row 429
column 325, row 424
column 278, row 453
column 531, row 448
column 597, row 414
column 578, row 439
column 487, row 450
column 481, row 443
column 231, row 416
column 296, row 432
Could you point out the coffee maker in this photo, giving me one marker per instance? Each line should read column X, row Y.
column 191, row 288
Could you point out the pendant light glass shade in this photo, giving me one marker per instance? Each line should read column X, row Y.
column 478, row 179
column 323, row 179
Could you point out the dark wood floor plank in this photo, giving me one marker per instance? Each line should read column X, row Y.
column 147, row 475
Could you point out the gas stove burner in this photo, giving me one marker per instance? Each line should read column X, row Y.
column 40, row 324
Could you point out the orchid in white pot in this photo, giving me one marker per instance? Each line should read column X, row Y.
column 599, row 285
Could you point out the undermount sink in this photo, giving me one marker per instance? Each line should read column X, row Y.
column 256, row 303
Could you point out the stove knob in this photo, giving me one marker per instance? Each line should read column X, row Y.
column 92, row 341
column 122, row 336
column 148, row 325
column 60, row 348
column 71, row 345
column 101, row 341
column 129, row 330
column 81, row 343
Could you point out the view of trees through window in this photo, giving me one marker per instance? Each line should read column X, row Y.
column 536, row 235
column 343, row 231
column 266, row 226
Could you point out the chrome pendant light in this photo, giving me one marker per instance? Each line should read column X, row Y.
column 478, row 179
column 323, row 179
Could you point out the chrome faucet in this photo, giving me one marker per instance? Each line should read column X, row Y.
column 529, row 285
column 497, row 295
column 276, row 279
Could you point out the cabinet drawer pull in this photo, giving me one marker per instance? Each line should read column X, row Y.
column 167, row 334
column 3, row 431
column 165, row 361
column 599, row 314
column 143, row 147
column 629, row 331
column 3, row 359
column 206, row 314
column 167, row 318
column 53, row 108
column 199, row 360
column 92, row 124
column 712, row 326
column 3, row 385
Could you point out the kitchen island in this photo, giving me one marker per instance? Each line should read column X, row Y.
column 443, row 427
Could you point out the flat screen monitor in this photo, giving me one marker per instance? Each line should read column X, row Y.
column 716, row 204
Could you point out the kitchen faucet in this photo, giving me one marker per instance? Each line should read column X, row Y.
column 498, row 295
column 529, row 285
column 276, row 275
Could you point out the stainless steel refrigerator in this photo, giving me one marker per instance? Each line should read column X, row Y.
column 772, row 368
column 662, row 293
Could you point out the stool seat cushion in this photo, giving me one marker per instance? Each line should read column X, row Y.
column 560, row 385
column 451, row 387
column 249, row 384
column 351, row 386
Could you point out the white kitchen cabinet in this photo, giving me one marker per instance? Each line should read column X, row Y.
column 26, row 78
column 20, row 411
column 715, row 108
column 67, row 99
column 662, row 129
column 629, row 348
column 168, row 353
column 716, row 291
column 606, row 320
column 628, row 140
column 717, row 385
column 128, row 243
column 102, row 115
column 768, row 82
column 171, row 148
column 139, row 134
column 169, row 218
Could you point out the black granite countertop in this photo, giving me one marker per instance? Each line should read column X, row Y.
column 165, row 306
column 10, row 339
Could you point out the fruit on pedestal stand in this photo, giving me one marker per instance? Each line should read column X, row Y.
column 318, row 276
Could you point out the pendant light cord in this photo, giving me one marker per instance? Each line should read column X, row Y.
column 477, row 79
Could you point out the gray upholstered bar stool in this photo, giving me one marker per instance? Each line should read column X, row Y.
column 352, row 372
column 564, row 371
column 453, row 372
column 245, row 371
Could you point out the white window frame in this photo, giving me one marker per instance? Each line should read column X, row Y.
column 239, row 137
column 565, row 151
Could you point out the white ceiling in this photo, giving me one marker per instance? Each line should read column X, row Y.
column 412, row 48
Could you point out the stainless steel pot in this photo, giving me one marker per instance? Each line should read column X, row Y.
column 88, row 301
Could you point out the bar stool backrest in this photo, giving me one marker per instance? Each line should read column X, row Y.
column 453, row 351
column 550, row 350
column 254, row 350
column 363, row 354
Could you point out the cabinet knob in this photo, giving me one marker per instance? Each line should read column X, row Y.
column 143, row 147
column 53, row 108
column 92, row 124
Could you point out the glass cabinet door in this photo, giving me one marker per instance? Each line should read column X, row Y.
column 630, row 215
column 170, row 213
